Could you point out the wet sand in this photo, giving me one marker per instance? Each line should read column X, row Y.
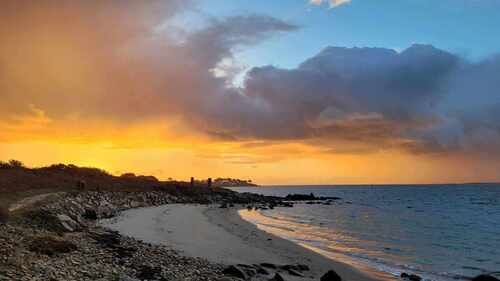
column 222, row 236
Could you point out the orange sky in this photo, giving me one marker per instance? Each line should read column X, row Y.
column 107, row 90
column 143, row 150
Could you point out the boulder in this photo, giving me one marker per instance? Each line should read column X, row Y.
column 331, row 276
column 249, row 270
column 277, row 277
column 294, row 273
column 90, row 214
column 410, row 277
column 485, row 277
column 235, row 271
column 268, row 265
column 262, row 270
column 68, row 223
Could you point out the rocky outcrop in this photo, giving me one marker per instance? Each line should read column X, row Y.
column 74, row 212
column 60, row 240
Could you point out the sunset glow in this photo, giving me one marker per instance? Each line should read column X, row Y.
column 127, row 87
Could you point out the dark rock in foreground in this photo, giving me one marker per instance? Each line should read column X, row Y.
column 485, row 277
column 277, row 277
column 235, row 271
column 331, row 276
column 268, row 265
column 411, row 277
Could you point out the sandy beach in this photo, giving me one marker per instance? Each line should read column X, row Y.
column 222, row 236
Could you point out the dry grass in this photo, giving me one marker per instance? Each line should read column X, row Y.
column 18, row 182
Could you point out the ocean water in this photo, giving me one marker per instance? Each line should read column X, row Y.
column 441, row 232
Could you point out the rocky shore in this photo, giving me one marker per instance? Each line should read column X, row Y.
column 59, row 239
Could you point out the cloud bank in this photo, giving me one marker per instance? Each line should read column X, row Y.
column 71, row 61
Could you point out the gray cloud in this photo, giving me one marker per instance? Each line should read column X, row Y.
column 423, row 100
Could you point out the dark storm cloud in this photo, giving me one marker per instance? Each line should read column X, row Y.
column 422, row 100
column 360, row 94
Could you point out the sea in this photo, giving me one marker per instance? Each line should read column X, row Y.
column 440, row 232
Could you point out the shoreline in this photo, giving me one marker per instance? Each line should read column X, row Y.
column 336, row 257
column 222, row 236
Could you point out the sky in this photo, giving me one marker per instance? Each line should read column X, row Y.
column 282, row 92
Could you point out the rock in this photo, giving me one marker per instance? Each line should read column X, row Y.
column 294, row 273
column 295, row 267
column 67, row 223
column 268, row 265
column 108, row 239
column 90, row 214
column 411, row 277
column 485, row 277
column 261, row 270
column 302, row 267
column 277, row 277
column 235, row 272
column 249, row 270
column 331, row 276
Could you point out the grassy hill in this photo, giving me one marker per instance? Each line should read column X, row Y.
column 18, row 181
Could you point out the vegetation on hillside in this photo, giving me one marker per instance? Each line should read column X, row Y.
column 18, row 181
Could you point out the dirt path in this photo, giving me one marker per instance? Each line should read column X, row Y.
column 30, row 201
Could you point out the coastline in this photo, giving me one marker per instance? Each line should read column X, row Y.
column 222, row 236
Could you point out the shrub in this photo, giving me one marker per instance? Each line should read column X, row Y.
column 16, row 164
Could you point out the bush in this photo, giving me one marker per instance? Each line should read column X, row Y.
column 4, row 215
column 12, row 164
column 16, row 164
